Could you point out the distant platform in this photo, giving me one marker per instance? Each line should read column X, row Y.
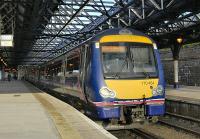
column 29, row 113
column 184, row 93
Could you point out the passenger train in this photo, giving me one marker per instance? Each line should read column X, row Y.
column 117, row 74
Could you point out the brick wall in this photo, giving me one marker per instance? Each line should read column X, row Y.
column 189, row 65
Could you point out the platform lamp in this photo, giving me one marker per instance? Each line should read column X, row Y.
column 179, row 40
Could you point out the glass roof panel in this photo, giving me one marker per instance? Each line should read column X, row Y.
column 70, row 18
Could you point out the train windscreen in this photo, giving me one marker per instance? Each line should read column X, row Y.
column 128, row 60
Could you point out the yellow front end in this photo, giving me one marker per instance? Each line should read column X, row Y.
column 132, row 89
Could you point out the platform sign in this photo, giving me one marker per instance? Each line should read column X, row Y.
column 6, row 40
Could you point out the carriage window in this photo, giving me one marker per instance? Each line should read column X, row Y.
column 73, row 64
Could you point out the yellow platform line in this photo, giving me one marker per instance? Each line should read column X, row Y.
column 64, row 129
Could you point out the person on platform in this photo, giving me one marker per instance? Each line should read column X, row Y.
column 9, row 77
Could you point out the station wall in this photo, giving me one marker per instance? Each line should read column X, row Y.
column 189, row 65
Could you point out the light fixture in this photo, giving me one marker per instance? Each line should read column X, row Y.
column 179, row 40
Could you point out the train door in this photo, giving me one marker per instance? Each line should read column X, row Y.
column 83, row 70
column 72, row 74
column 64, row 65
column 62, row 76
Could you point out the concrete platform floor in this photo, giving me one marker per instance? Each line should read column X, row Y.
column 184, row 92
column 28, row 113
column 21, row 115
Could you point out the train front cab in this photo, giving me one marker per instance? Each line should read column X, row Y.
column 133, row 84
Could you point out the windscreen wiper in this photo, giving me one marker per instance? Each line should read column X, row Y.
column 116, row 75
column 128, row 59
column 131, row 59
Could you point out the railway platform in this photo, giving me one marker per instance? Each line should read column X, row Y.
column 27, row 112
column 184, row 93
column 184, row 102
column 183, row 108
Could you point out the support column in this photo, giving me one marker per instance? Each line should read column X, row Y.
column 175, row 51
column 176, row 81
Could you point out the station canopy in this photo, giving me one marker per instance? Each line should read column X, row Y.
column 45, row 29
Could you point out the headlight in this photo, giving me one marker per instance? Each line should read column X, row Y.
column 158, row 91
column 154, row 92
column 107, row 93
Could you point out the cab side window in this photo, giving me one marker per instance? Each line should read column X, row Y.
column 73, row 65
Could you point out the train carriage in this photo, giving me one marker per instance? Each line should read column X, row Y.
column 118, row 73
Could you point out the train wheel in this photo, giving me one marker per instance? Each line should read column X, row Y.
column 154, row 119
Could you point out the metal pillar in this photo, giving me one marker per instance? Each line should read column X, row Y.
column 176, row 81
column 175, row 51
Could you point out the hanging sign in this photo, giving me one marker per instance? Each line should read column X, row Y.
column 6, row 40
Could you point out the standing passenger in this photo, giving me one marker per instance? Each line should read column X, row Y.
column 9, row 77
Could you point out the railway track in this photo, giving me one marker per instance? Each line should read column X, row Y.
column 137, row 133
column 144, row 134
column 185, row 123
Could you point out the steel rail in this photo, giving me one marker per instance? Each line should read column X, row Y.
column 144, row 134
column 179, row 124
column 180, row 127
column 183, row 117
